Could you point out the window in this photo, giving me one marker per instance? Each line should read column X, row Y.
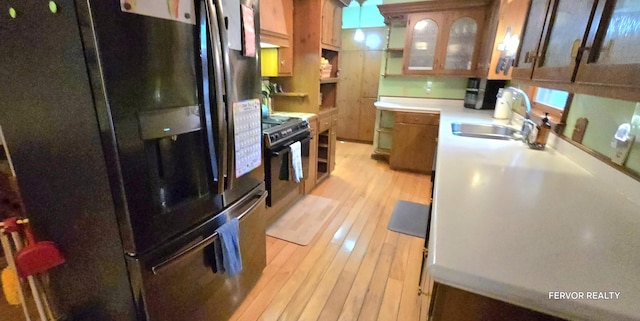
column 552, row 98
column 549, row 101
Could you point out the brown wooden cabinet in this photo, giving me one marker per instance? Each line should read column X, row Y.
column 320, row 93
column 276, row 22
column 553, row 34
column 276, row 28
column 447, row 300
column 276, row 62
column 443, row 42
column 441, row 37
column 331, row 24
column 285, row 61
column 358, row 86
column 414, row 141
column 612, row 45
column 313, row 93
column 582, row 42
column 501, row 39
column 530, row 39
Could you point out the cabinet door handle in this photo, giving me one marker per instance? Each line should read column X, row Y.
column 530, row 56
column 575, row 47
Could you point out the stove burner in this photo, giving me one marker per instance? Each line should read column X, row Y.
column 275, row 120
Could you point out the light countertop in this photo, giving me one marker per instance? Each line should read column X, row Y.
column 293, row 114
column 515, row 224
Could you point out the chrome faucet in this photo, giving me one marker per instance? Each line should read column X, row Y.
column 527, row 124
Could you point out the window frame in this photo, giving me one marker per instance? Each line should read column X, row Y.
column 557, row 117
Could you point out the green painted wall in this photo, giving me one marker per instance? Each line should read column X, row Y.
column 451, row 88
column 604, row 115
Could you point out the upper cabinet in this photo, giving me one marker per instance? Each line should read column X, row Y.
column 421, row 43
column 276, row 22
column 443, row 43
column 332, row 23
column 501, row 39
column 611, row 50
column 441, row 37
column 554, row 32
column 592, row 42
column 313, row 84
column 276, row 28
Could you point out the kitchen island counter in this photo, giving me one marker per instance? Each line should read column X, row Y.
column 528, row 227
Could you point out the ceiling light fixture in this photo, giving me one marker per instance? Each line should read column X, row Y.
column 359, row 35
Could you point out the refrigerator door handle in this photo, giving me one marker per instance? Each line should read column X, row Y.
column 222, row 29
column 158, row 268
column 221, row 91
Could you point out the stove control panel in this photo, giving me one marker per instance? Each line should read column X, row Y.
column 280, row 133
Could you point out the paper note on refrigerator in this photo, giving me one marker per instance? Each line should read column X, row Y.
column 249, row 32
column 231, row 12
column 248, row 135
column 177, row 10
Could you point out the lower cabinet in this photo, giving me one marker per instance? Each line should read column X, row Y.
column 446, row 303
column 414, row 141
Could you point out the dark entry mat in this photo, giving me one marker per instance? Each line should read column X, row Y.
column 410, row 218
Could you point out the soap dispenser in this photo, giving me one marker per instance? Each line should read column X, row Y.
column 542, row 133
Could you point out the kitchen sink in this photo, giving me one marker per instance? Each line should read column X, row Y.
column 485, row 131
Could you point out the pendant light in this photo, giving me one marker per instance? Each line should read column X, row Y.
column 359, row 35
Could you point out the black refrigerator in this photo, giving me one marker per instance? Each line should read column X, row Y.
column 134, row 130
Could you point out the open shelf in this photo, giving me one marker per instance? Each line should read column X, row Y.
column 322, row 176
column 332, row 80
column 323, row 155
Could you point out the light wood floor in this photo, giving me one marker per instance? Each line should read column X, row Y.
column 355, row 268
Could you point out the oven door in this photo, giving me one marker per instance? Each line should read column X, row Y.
column 278, row 179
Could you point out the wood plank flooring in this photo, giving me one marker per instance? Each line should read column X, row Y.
column 354, row 268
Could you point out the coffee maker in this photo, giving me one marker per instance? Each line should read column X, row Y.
column 481, row 93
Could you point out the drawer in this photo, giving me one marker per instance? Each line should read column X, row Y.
column 334, row 120
column 418, row 118
column 324, row 123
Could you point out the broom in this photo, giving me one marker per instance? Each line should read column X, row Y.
column 6, row 248
column 10, row 285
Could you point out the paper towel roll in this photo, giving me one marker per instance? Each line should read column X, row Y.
column 503, row 107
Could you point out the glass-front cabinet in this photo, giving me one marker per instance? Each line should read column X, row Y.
column 459, row 55
column 562, row 40
column 612, row 45
column 592, row 42
column 443, row 43
column 422, row 43
column 531, row 34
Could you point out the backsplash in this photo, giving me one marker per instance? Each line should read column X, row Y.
column 604, row 116
column 445, row 88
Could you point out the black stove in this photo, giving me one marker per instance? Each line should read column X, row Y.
column 279, row 130
column 279, row 134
